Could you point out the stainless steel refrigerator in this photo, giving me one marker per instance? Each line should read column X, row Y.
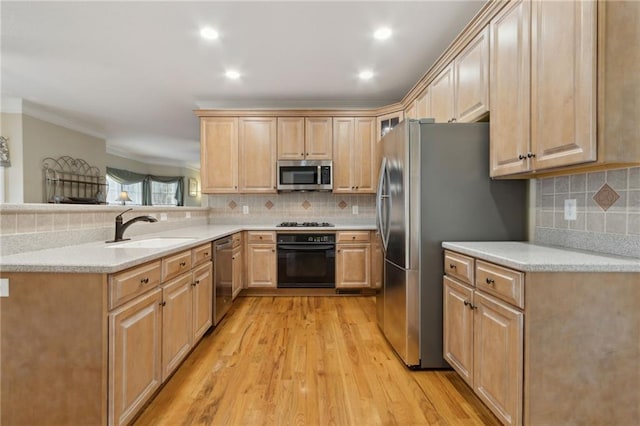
column 434, row 186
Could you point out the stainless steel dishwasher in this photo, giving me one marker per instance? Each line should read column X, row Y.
column 223, row 273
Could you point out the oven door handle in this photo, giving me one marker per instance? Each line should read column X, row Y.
column 306, row 248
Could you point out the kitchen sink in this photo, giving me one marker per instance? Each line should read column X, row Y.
column 151, row 243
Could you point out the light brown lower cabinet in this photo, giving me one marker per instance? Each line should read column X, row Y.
column 237, row 273
column 377, row 261
column 353, row 259
column 542, row 348
column 151, row 335
column 261, row 259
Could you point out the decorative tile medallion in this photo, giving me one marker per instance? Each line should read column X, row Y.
column 268, row 205
column 606, row 197
column 342, row 204
column 232, row 205
column 306, row 204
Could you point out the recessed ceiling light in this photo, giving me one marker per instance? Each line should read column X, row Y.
column 382, row 33
column 365, row 75
column 232, row 74
column 208, row 33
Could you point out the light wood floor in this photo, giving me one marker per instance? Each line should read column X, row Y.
column 307, row 361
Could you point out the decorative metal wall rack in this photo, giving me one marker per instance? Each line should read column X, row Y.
column 73, row 181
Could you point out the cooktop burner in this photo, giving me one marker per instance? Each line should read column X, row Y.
column 305, row 224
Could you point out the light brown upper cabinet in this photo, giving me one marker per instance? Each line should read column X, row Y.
column 257, row 154
column 354, row 155
column 461, row 91
column 238, row 155
column 301, row 138
column 411, row 112
column 564, row 89
column 219, row 154
column 471, row 79
column 556, row 126
column 423, row 104
column 442, row 96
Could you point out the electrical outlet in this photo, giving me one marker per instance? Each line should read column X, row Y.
column 570, row 208
column 354, row 209
column 187, row 215
column 163, row 216
column 4, row 287
column 245, row 209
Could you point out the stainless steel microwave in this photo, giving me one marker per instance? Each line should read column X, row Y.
column 305, row 175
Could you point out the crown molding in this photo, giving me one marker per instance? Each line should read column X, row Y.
column 11, row 105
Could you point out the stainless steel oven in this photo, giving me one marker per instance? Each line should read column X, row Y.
column 306, row 260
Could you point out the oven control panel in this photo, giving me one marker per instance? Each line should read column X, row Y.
column 306, row 238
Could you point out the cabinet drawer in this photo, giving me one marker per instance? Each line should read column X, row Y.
column 172, row 266
column 352, row 236
column 237, row 239
column 458, row 266
column 504, row 283
column 201, row 254
column 261, row 237
column 128, row 284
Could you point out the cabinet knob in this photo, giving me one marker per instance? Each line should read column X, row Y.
column 260, row 236
column 452, row 266
column 353, row 238
column 302, row 154
column 490, row 281
column 163, row 303
column 193, row 284
column 183, row 264
column 307, row 154
column 144, row 280
column 273, row 250
column 453, row 120
column 206, row 253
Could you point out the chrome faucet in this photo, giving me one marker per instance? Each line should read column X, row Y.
column 121, row 227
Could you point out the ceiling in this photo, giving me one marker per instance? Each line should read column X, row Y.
column 133, row 72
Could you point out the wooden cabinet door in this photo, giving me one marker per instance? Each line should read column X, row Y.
column 219, row 154
column 261, row 266
column 237, row 271
column 290, row 138
column 318, row 135
column 353, row 267
column 363, row 162
column 498, row 358
column 177, row 322
column 202, row 300
column 458, row 328
column 343, row 160
column 423, row 104
column 509, row 89
column 563, row 82
column 472, row 79
column 442, row 99
column 135, row 370
column 411, row 112
column 257, row 152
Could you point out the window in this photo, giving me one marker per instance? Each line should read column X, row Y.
column 115, row 188
column 163, row 194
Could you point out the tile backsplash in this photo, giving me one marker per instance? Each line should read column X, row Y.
column 291, row 206
column 607, row 211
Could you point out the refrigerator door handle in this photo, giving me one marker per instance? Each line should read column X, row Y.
column 382, row 198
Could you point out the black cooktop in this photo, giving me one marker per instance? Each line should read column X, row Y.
column 304, row 224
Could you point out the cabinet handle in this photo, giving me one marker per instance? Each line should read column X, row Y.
column 144, row 280
column 530, row 155
column 193, row 284
column 307, row 154
column 452, row 266
column 206, row 253
column 470, row 305
column 183, row 264
column 522, row 157
column 302, row 154
column 163, row 303
column 260, row 236
column 353, row 238
column 273, row 250
column 490, row 281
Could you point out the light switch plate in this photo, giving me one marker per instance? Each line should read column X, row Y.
column 187, row 215
column 4, row 287
column 245, row 209
column 570, row 209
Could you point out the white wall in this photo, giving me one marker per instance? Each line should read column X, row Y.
column 11, row 128
column 42, row 139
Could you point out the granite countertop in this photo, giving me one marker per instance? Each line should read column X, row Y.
column 98, row 257
column 529, row 257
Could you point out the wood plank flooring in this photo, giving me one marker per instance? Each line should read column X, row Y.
column 307, row 361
